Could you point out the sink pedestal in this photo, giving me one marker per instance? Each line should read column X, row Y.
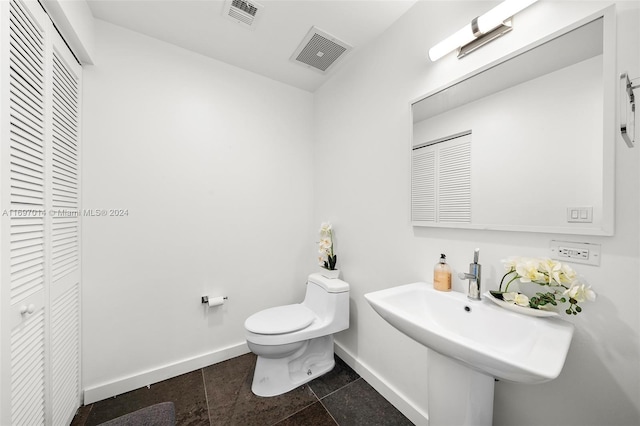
column 458, row 395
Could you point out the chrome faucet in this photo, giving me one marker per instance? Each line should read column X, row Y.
column 473, row 276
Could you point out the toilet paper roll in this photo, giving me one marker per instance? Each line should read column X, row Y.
column 216, row 301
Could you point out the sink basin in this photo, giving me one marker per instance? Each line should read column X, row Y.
column 481, row 335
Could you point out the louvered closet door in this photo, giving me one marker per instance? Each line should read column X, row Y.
column 40, row 261
column 24, row 224
column 63, row 221
column 441, row 181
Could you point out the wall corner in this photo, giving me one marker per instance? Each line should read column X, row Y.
column 74, row 20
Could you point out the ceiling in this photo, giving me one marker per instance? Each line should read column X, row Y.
column 199, row 26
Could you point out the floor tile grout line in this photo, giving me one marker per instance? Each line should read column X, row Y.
column 329, row 412
column 349, row 384
column 294, row 413
column 303, row 408
column 329, row 394
column 206, row 397
column 339, row 389
column 313, row 392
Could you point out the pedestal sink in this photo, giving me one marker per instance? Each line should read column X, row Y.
column 472, row 343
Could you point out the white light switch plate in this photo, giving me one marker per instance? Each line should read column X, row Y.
column 567, row 251
column 580, row 214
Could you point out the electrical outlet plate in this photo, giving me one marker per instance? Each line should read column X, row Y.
column 567, row 251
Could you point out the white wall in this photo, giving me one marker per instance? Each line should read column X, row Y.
column 363, row 124
column 213, row 165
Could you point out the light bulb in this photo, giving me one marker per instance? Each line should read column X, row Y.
column 460, row 38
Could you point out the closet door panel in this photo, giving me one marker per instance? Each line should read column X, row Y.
column 64, row 206
column 26, row 160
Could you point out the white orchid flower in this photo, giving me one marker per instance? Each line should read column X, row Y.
column 552, row 268
column 580, row 292
column 325, row 228
column 325, row 244
column 568, row 274
column 510, row 263
column 517, row 298
column 528, row 271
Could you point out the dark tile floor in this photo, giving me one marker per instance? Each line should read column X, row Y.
column 221, row 395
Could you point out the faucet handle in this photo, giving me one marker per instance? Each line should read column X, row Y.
column 462, row 275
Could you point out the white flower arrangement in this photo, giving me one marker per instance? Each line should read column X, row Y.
column 327, row 258
column 560, row 278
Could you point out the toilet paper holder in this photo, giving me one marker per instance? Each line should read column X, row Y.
column 205, row 299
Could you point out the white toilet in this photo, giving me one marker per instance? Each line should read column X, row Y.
column 294, row 343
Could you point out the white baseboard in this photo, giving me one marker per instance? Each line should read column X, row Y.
column 155, row 375
column 388, row 391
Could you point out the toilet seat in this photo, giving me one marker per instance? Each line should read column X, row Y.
column 280, row 320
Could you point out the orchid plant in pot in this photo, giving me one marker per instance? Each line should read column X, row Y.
column 327, row 257
column 561, row 282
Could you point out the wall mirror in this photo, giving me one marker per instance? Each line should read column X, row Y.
column 526, row 143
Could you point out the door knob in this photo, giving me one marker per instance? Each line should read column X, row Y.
column 24, row 309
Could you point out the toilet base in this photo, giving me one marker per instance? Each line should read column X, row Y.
column 275, row 376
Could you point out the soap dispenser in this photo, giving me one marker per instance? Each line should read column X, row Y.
column 442, row 275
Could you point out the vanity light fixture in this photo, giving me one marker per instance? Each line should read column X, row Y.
column 481, row 30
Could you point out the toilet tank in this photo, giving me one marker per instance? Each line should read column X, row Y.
column 329, row 299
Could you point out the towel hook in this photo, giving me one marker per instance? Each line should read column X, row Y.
column 627, row 111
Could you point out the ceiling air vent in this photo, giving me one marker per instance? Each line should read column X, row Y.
column 242, row 11
column 319, row 50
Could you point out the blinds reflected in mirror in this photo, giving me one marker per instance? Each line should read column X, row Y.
column 441, row 180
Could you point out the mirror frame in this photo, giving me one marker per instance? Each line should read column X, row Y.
column 606, row 227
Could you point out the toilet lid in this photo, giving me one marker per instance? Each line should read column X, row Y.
column 279, row 320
